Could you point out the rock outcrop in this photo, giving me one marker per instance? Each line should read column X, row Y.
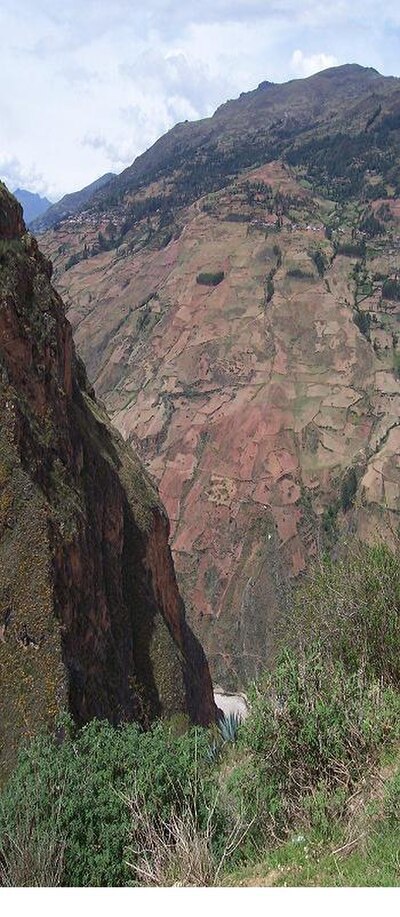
column 90, row 614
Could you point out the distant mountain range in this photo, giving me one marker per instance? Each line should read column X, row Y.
column 68, row 205
column 33, row 205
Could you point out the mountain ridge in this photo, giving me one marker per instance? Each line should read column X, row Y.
column 204, row 129
column 68, row 204
column 33, row 204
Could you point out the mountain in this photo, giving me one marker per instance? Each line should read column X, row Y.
column 235, row 296
column 32, row 204
column 69, row 204
column 91, row 619
column 332, row 115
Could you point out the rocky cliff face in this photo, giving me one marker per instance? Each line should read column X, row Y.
column 90, row 614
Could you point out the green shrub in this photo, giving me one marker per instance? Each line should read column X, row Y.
column 363, row 322
column 269, row 289
column 391, row 290
column 396, row 364
column 72, row 260
column 392, row 800
column 299, row 273
column 209, row 279
column 81, row 806
column 352, row 249
column 320, row 261
column 313, row 725
column 87, row 778
column 31, row 835
column 332, row 705
column 323, row 811
column 278, row 255
column 183, row 850
column 13, row 247
column 353, row 607
column 371, row 226
column 329, row 521
column 348, row 489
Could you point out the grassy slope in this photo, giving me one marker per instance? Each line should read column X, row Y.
column 365, row 852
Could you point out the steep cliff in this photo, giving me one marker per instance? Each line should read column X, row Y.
column 90, row 614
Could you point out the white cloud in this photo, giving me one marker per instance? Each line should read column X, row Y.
column 305, row 65
column 87, row 86
column 18, row 175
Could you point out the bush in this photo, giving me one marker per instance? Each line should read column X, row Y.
column 72, row 260
column 392, row 800
column 371, row 226
column 117, row 806
column 169, row 853
column 313, row 725
column 299, row 273
column 396, row 365
column 353, row 607
column 85, row 780
column 329, row 521
column 348, row 489
column 13, row 247
column 391, row 290
column 332, row 705
column 320, row 261
column 363, row 322
column 210, row 280
column 269, row 289
column 31, row 837
column 181, row 850
column 352, row 249
column 278, row 255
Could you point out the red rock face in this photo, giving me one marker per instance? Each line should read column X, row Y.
column 90, row 613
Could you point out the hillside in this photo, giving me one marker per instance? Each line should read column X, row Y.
column 91, row 620
column 235, row 297
column 305, row 792
column 68, row 205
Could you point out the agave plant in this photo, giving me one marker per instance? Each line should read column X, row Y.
column 213, row 752
column 228, row 727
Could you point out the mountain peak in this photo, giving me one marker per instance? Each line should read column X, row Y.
column 265, row 84
column 33, row 204
column 347, row 70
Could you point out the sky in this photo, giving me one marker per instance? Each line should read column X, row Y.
column 88, row 85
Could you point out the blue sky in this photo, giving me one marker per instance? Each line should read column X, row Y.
column 86, row 85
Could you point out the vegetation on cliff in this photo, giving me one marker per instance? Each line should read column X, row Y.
column 90, row 613
column 305, row 791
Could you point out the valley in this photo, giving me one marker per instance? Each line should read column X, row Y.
column 244, row 339
column 200, row 504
